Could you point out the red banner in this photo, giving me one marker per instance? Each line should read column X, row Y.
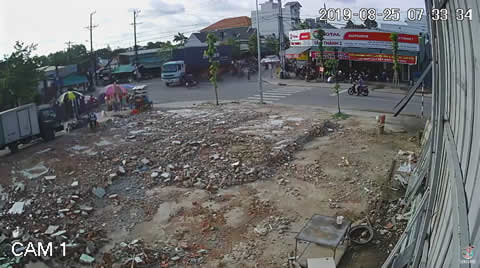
column 380, row 36
column 369, row 57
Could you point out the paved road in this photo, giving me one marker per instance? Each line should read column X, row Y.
column 317, row 95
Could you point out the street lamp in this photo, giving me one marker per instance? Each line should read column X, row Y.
column 260, row 86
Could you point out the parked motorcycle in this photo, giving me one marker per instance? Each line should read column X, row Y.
column 357, row 89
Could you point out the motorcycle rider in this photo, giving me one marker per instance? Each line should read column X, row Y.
column 361, row 85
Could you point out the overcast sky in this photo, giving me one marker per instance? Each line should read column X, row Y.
column 52, row 23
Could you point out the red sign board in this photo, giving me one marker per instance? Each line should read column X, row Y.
column 370, row 57
column 380, row 36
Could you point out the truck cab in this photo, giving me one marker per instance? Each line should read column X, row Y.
column 173, row 72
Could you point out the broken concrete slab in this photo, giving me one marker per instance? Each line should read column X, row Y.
column 84, row 258
column 17, row 208
column 51, row 229
column 35, row 172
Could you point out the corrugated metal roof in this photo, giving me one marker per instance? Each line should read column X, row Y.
column 123, row 69
column 74, row 79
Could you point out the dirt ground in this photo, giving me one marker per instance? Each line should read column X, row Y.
column 345, row 170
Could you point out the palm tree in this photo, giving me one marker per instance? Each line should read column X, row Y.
column 180, row 38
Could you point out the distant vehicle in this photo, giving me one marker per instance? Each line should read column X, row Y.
column 22, row 124
column 173, row 72
column 270, row 59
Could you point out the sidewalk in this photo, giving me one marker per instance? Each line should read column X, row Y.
column 303, row 83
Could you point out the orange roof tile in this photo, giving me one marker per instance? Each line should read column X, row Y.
column 243, row 21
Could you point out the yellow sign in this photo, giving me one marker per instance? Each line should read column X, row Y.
column 303, row 56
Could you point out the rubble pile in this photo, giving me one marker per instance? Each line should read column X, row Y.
column 273, row 223
column 388, row 219
column 137, row 253
column 202, row 148
column 243, row 251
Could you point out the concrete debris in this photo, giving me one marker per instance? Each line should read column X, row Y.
column 74, row 184
column 51, row 229
column 121, row 170
column 405, row 168
column 17, row 233
column 98, row 192
column 145, row 161
column 17, row 208
column 19, row 187
column 50, row 178
column 154, row 174
column 35, row 172
column 59, row 233
column 84, row 258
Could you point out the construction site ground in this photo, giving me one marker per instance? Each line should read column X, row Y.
column 211, row 186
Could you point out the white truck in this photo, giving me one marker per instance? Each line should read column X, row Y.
column 173, row 72
column 22, row 124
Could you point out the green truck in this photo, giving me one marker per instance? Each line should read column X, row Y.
column 22, row 124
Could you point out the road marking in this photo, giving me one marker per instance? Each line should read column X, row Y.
column 341, row 92
column 258, row 100
column 276, row 94
column 265, row 98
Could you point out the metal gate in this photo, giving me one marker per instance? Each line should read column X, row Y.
column 444, row 190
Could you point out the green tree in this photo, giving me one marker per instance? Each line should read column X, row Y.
column 252, row 44
column 396, row 65
column 211, row 53
column 272, row 44
column 235, row 47
column 320, row 36
column 104, row 53
column 180, row 38
column 19, row 76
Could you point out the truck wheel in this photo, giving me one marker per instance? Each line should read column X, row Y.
column 13, row 147
column 49, row 135
column 167, row 84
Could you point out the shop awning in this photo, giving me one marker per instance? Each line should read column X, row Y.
column 295, row 52
column 74, row 79
column 123, row 69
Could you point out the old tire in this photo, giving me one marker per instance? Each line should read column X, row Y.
column 13, row 147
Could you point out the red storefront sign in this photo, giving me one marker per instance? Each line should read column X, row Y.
column 380, row 36
column 369, row 57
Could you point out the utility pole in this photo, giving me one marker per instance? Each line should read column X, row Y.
column 94, row 61
column 69, row 44
column 260, row 86
column 135, row 14
column 281, row 37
